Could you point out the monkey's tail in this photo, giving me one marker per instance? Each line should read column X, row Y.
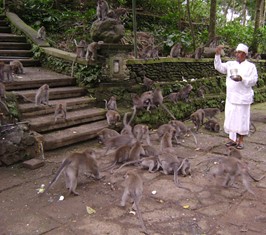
column 72, row 67
column 140, row 216
column 195, row 139
column 128, row 163
column 133, row 115
column 105, row 104
column 106, row 168
column 166, row 109
column 65, row 163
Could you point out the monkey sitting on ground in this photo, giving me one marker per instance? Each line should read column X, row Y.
column 198, row 118
column 111, row 104
column 60, row 112
column 17, row 67
column 42, row 95
column 71, row 166
column 142, row 133
column 212, row 125
column 112, row 117
column 106, row 134
column 41, row 34
column 91, row 53
column 134, row 189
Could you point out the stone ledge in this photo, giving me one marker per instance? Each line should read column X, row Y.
column 30, row 32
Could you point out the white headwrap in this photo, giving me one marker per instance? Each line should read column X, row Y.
column 242, row 47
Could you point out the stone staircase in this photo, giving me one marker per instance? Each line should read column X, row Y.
column 84, row 120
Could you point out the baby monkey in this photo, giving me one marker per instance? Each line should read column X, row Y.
column 42, row 95
column 71, row 165
column 134, row 189
column 41, row 34
column 60, row 112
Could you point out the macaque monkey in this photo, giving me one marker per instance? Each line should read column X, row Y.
column 80, row 48
column 148, row 83
column 121, row 155
column 197, row 118
column 199, row 52
column 176, row 51
column 229, row 168
column 150, row 51
column 111, row 104
column 2, row 91
column 42, row 95
column 136, row 151
column 71, row 165
column 181, row 129
column 80, row 53
column 7, row 69
column 184, row 92
column 157, row 99
column 60, row 112
column 127, row 129
column 17, row 67
column 201, row 92
column 91, row 53
column 41, row 34
column 173, row 97
column 112, row 117
column 117, row 13
column 172, row 165
column 134, row 189
column 166, row 140
column 102, row 9
column 143, row 101
column 164, row 128
column 149, row 162
column 142, row 133
column 212, row 125
column 233, row 152
column 106, row 134
column 211, row 113
column 118, row 141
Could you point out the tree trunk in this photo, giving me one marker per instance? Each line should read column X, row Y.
column 191, row 25
column 212, row 26
column 255, row 43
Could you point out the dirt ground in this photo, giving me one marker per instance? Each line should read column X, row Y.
column 206, row 208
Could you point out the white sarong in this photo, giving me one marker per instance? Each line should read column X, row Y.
column 237, row 118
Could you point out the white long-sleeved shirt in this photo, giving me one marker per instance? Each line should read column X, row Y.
column 238, row 92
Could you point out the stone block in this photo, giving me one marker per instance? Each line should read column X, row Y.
column 33, row 163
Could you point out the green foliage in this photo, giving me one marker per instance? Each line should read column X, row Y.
column 88, row 75
column 12, row 106
column 233, row 33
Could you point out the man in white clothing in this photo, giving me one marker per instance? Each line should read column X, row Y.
column 241, row 76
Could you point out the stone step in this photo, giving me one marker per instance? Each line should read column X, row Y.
column 46, row 123
column 4, row 23
column 27, row 62
column 5, row 29
column 15, row 53
column 29, row 110
column 55, row 93
column 34, row 77
column 72, row 135
column 14, row 46
column 7, row 37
